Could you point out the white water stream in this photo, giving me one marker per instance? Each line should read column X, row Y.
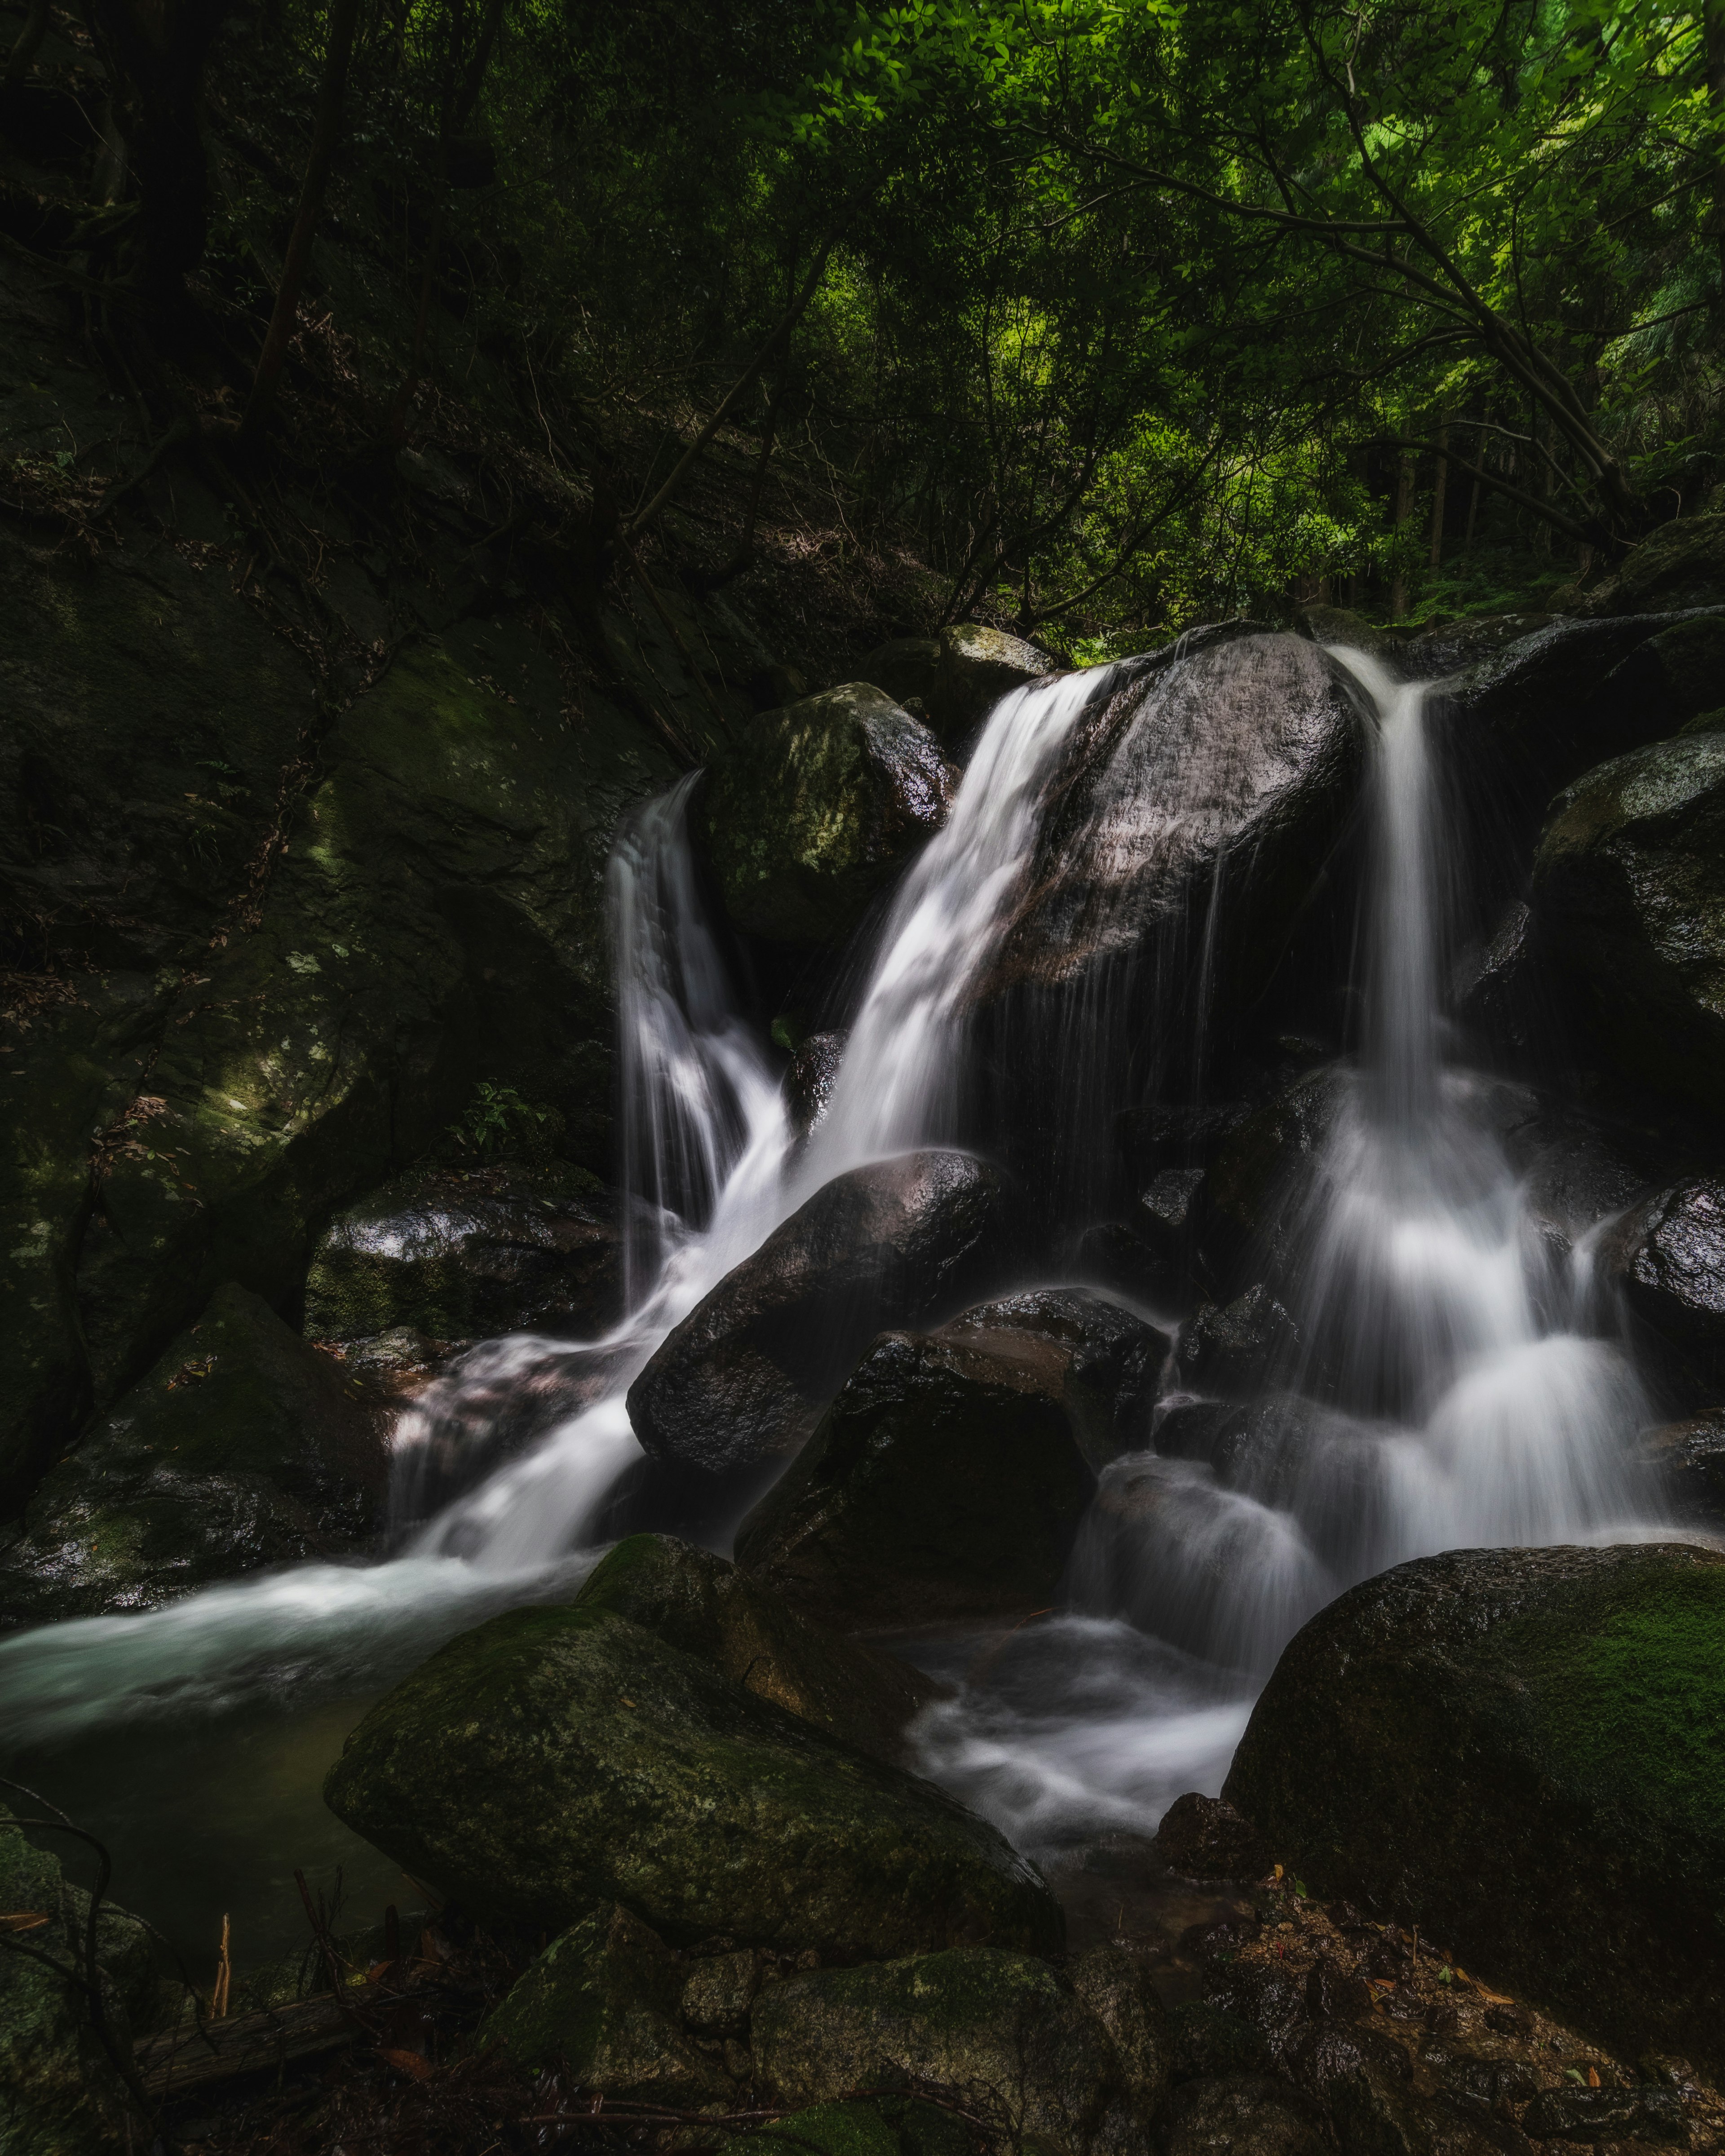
column 1480, row 1407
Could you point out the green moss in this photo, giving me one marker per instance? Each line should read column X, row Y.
column 879, row 2126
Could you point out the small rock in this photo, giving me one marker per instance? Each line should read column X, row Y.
column 1235, row 1348
column 808, row 1083
column 1209, row 2041
column 1668, row 1257
column 1689, row 1458
column 1240, row 2115
column 959, row 676
column 719, row 1993
column 1205, row 1838
column 1588, row 2115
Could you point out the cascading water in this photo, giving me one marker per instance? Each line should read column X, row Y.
column 1473, row 1405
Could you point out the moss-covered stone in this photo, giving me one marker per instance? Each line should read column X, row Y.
column 1629, row 895
column 884, row 2125
column 1523, row 1751
column 469, row 1254
column 60, row 2094
column 1682, row 564
column 603, row 1998
column 1002, row 2033
column 816, row 809
column 244, row 1447
column 957, row 676
column 557, row 1759
column 703, row 1605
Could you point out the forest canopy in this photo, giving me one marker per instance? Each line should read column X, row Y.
column 1119, row 313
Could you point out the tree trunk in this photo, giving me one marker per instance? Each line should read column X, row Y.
column 1434, row 555
column 1404, row 511
column 330, row 91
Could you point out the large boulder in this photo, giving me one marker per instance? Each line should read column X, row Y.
column 1190, row 815
column 60, row 2092
column 467, row 1254
column 1519, row 1751
column 1628, row 890
column 1689, row 1459
column 817, row 809
column 999, row 2033
column 956, row 677
column 244, row 1447
column 703, row 1605
column 1682, row 565
column 948, row 1478
column 1667, row 1257
column 742, row 1381
column 556, row 1759
column 604, row 1998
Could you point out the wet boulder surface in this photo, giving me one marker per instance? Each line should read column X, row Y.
column 466, row 1254
column 1520, row 1750
column 743, row 1380
column 817, row 809
column 1689, row 1459
column 1666, row 1256
column 1191, row 813
column 558, row 1758
column 244, row 1447
column 1629, row 894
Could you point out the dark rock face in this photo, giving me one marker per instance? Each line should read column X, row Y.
column 1690, row 1459
column 697, row 1602
column 59, row 2094
column 1256, row 1197
column 555, row 1759
column 1629, row 893
column 949, row 1476
column 1240, row 2115
column 243, row 1448
column 1682, row 565
column 817, row 809
column 743, row 1379
column 957, row 676
column 1667, row 1255
column 808, row 1083
column 1235, row 1348
column 1519, row 1750
column 466, row 1255
column 1537, row 716
column 999, row 2030
column 605, row 1997
column 1192, row 811
column 1206, row 1838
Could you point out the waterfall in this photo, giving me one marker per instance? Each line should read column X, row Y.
column 1451, row 1388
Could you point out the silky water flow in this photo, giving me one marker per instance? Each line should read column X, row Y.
column 1478, row 1404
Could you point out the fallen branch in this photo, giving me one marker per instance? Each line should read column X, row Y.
column 181, row 2060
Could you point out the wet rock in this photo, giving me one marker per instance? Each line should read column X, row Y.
column 1682, row 564
column 604, row 1997
column 889, row 2123
column 1534, row 718
column 1115, row 1985
column 1206, row 1838
column 1208, row 2041
column 243, row 1448
column 1233, row 1349
column 816, row 809
column 1689, row 1458
column 1629, row 892
column 1117, row 1254
column 1199, row 797
column 557, row 1758
column 59, row 2093
column 1260, row 1195
column 959, row 676
column 1241, row 2115
column 1180, row 1135
column 1589, row 2115
column 1001, row 2033
column 808, row 1083
column 466, row 1254
column 1511, row 1748
column 949, row 1476
column 1498, row 992
column 1169, row 1201
column 744, row 1378
column 1667, row 1256
column 1364, row 2080
column 1437, row 652
column 703, row 1605
column 719, row 1991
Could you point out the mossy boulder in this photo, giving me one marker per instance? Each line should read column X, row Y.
column 889, row 2124
column 1629, row 894
column 557, row 1758
column 742, row 1381
column 243, row 1447
column 705, row 1606
column 945, row 1481
column 1524, row 1752
column 1004, row 2035
column 603, row 1998
column 956, row 677
column 817, row 809
column 1682, row 564
column 60, row 2094
column 465, row 1254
